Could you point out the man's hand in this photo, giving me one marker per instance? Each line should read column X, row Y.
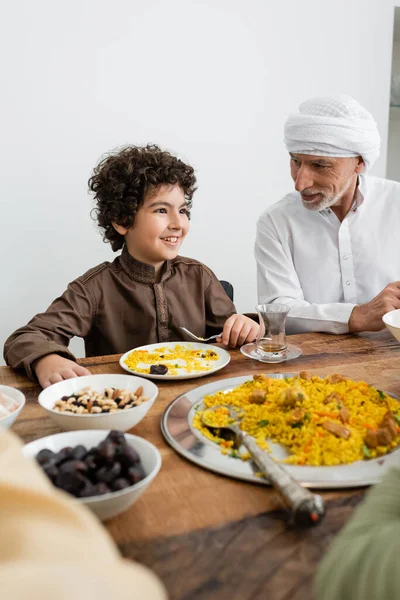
column 368, row 317
column 53, row 368
column 238, row 330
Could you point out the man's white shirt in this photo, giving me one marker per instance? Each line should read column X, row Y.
column 321, row 267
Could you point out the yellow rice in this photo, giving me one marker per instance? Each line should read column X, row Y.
column 194, row 361
column 307, row 443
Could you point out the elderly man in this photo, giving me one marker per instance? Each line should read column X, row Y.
column 331, row 249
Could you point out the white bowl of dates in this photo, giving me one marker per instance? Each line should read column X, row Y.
column 99, row 401
column 107, row 471
column 12, row 401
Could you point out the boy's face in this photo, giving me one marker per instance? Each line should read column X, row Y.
column 159, row 228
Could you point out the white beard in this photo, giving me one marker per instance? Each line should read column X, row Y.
column 327, row 200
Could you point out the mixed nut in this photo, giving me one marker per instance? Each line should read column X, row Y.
column 110, row 466
column 87, row 401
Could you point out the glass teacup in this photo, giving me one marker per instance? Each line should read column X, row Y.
column 271, row 340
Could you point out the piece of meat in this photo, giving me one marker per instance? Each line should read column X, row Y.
column 305, row 375
column 344, row 414
column 337, row 429
column 335, row 378
column 388, row 416
column 295, row 416
column 387, row 429
column 392, row 428
column 385, row 434
column 384, row 437
column 371, row 439
column 257, row 397
column 290, row 396
column 260, row 377
column 389, row 422
column 333, row 397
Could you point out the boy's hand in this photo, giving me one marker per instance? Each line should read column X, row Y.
column 53, row 368
column 238, row 330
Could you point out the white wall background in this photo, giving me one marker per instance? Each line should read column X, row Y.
column 393, row 150
column 212, row 80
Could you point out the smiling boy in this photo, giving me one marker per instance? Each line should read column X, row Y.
column 143, row 199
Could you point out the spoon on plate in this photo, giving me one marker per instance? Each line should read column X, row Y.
column 200, row 339
column 306, row 508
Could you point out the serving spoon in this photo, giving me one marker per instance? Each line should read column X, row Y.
column 306, row 508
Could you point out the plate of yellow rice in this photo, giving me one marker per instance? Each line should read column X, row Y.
column 329, row 432
column 175, row 360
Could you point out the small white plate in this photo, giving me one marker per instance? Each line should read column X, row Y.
column 223, row 359
column 250, row 351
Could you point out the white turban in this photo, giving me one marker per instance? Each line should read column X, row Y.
column 337, row 126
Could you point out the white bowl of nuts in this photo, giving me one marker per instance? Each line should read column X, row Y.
column 99, row 401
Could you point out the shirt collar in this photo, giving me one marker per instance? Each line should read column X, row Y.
column 358, row 199
column 142, row 272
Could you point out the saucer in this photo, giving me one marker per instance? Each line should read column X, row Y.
column 250, row 351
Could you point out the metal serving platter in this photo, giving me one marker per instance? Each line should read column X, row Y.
column 192, row 445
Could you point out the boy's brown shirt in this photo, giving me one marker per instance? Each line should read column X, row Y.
column 118, row 306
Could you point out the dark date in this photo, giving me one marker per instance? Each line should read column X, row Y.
column 158, row 369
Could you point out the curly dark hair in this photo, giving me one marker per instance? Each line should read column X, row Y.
column 122, row 180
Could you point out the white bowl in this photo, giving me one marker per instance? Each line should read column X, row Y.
column 6, row 422
column 121, row 420
column 392, row 322
column 109, row 505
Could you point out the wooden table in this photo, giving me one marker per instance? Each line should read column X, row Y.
column 209, row 537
